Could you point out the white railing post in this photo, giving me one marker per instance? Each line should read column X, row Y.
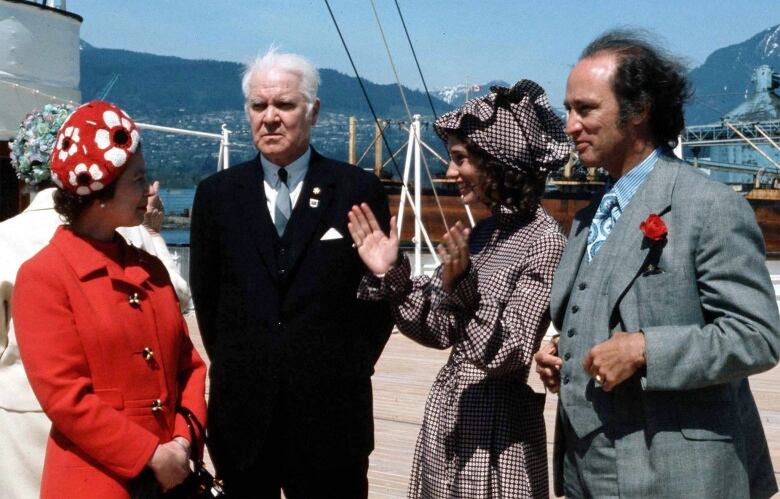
column 224, row 149
column 223, row 156
column 417, row 197
column 405, row 181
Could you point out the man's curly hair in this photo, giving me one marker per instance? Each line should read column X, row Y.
column 646, row 77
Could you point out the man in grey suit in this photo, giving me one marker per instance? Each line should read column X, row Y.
column 662, row 298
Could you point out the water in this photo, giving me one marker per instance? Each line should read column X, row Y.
column 177, row 237
column 177, row 202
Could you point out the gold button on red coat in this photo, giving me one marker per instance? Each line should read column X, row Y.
column 157, row 405
column 148, row 354
column 134, row 299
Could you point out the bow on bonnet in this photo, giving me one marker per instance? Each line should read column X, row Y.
column 516, row 126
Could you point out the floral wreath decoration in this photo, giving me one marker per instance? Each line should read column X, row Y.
column 92, row 146
column 34, row 141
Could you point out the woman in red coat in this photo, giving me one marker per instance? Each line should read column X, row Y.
column 102, row 340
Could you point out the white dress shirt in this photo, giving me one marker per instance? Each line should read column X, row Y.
column 296, row 171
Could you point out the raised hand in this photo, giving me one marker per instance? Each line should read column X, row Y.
column 377, row 250
column 153, row 218
column 454, row 254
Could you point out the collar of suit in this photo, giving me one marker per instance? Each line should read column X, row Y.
column 624, row 248
column 315, row 197
column 86, row 258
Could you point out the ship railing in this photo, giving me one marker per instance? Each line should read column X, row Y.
column 223, row 161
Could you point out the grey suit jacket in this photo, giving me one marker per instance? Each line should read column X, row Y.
column 707, row 307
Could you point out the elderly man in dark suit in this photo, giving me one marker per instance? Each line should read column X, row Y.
column 274, row 278
column 662, row 298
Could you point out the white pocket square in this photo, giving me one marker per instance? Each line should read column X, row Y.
column 331, row 234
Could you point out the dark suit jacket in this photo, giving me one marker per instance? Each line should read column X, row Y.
column 304, row 332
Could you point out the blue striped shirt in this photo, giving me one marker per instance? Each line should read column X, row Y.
column 628, row 184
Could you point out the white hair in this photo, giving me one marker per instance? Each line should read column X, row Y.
column 290, row 63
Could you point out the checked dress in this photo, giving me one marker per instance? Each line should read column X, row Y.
column 483, row 433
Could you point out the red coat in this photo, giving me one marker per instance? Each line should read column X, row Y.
column 108, row 355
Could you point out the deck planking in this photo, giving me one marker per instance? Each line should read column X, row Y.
column 404, row 375
column 403, row 378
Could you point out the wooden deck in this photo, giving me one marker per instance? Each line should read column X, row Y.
column 404, row 375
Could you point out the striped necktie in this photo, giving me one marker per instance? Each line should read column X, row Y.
column 283, row 205
column 603, row 221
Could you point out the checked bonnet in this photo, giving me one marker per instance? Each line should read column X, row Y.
column 92, row 147
column 516, row 126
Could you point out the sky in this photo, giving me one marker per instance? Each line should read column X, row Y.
column 456, row 41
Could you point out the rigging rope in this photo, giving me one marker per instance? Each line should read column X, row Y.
column 414, row 54
column 360, row 82
column 35, row 91
column 392, row 63
column 409, row 113
column 373, row 143
column 370, row 106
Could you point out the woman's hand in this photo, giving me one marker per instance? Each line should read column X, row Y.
column 548, row 365
column 454, row 254
column 378, row 251
column 170, row 463
column 155, row 212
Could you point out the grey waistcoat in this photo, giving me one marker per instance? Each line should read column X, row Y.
column 586, row 323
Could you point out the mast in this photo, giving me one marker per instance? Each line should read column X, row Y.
column 378, row 148
column 352, row 140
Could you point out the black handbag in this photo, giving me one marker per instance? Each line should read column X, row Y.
column 200, row 484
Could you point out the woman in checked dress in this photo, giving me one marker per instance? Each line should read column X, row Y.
column 482, row 434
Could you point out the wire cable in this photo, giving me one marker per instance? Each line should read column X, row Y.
column 414, row 54
column 390, row 58
column 363, row 88
column 373, row 112
column 409, row 113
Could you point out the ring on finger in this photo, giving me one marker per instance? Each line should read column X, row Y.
column 599, row 379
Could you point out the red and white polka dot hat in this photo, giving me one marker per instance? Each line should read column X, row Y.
column 92, row 146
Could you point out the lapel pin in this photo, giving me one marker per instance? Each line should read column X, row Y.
column 314, row 202
column 316, row 191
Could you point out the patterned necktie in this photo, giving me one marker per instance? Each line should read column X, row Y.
column 605, row 217
column 283, row 204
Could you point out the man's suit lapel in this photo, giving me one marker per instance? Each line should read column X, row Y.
column 250, row 192
column 315, row 197
column 570, row 262
column 624, row 247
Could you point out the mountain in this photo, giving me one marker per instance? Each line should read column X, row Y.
column 150, row 84
column 456, row 95
column 204, row 94
column 723, row 81
column 160, row 85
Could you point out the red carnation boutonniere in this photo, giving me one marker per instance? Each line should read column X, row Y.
column 655, row 232
column 653, row 228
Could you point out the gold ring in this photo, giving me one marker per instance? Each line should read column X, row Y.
column 599, row 379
